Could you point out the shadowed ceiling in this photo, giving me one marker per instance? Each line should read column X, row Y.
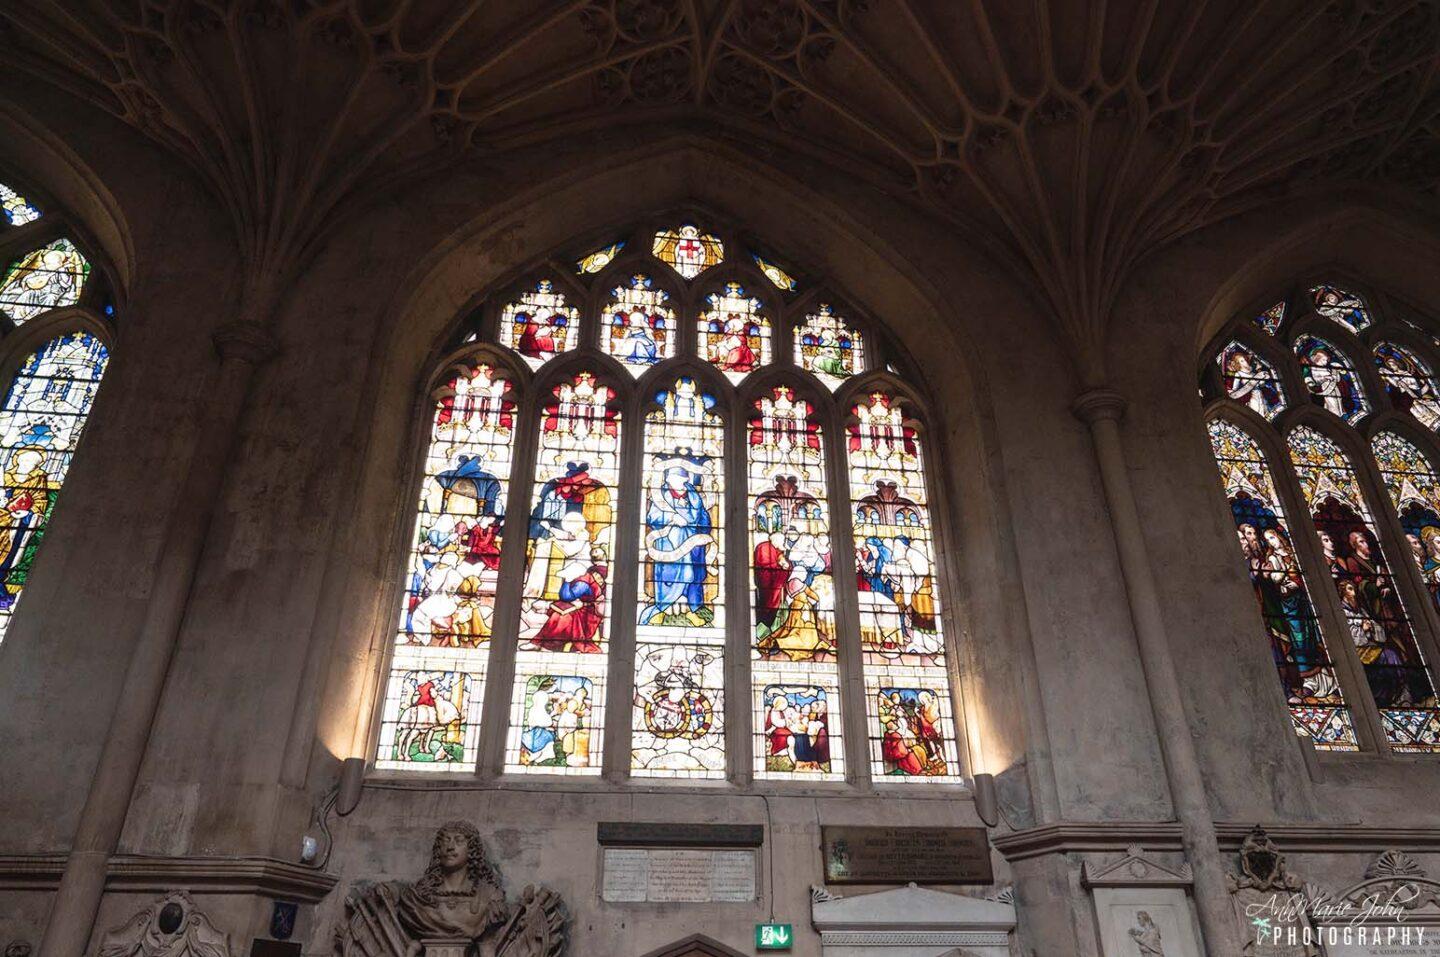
column 1074, row 135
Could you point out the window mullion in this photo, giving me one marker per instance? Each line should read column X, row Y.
column 739, row 694
column 619, row 697
column 500, row 672
column 1369, row 727
column 847, row 603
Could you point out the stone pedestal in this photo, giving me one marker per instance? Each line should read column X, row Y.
column 445, row 947
column 912, row 922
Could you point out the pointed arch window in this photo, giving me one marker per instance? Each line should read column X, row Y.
column 1353, row 631
column 634, row 494
column 57, row 364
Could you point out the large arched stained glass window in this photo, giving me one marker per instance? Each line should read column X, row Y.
column 907, row 686
column 1361, row 632
column 437, row 676
column 1297, row 643
column 45, row 286
column 660, row 601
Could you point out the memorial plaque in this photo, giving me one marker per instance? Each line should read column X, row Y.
column 903, row 855
column 1374, row 940
column 677, row 875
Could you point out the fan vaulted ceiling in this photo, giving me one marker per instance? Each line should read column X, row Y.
column 1075, row 134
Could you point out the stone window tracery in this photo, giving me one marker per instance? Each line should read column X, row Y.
column 1349, row 598
column 639, row 479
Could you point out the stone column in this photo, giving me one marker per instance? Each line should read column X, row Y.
column 242, row 346
column 1101, row 409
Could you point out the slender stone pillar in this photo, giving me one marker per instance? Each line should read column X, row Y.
column 242, row 346
column 1101, row 410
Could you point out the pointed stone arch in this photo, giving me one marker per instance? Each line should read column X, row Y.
column 696, row 945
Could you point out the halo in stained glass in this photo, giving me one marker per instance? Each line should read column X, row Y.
column 51, row 277
column 1338, row 305
column 734, row 334
column 1297, row 643
column 599, row 259
column 829, row 347
column 16, row 208
column 1380, row 626
column 638, row 325
column 687, row 250
column 40, row 425
column 540, row 324
column 778, row 277
column 1408, row 383
column 1271, row 318
column 1331, row 378
column 1250, row 380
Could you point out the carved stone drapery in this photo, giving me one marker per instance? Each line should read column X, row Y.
column 456, row 907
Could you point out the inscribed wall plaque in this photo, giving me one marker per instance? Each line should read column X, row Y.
column 648, row 874
column 904, row 855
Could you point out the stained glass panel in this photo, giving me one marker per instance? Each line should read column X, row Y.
column 540, row 325
column 1331, row 378
column 17, row 208
column 1408, row 383
column 734, row 333
column 437, row 678
column 1251, row 380
column 678, row 725
column 565, row 605
column 1379, row 624
column 687, row 250
column 1340, row 306
column 1270, row 319
column 778, row 277
column 793, row 591
column 900, row 628
column 826, row 345
column 50, row 277
column 41, row 423
column 1297, row 643
column 639, row 328
column 599, row 259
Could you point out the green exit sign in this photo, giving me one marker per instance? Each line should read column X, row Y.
column 774, row 936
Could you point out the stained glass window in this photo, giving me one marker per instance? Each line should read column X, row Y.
column 44, row 414
column 678, row 723
column 828, row 346
column 50, row 277
column 734, row 333
column 1331, row 378
column 437, row 678
column 599, row 259
column 1343, row 307
column 1379, row 624
column 16, row 208
column 793, row 637
column 778, row 277
column 687, row 250
column 639, row 326
column 1251, row 381
column 540, row 325
column 1408, row 383
column 565, row 605
column 1297, row 643
column 1270, row 319
column 907, row 687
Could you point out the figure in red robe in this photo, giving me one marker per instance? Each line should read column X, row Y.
column 905, row 758
column 574, row 620
column 535, row 340
column 772, row 570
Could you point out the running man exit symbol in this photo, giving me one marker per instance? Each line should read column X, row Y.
column 774, row 936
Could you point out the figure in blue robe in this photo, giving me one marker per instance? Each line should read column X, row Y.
column 677, row 542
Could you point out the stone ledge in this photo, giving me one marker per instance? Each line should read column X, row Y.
column 262, row 876
column 1078, row 837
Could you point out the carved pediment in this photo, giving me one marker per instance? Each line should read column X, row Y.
column 1136, row 870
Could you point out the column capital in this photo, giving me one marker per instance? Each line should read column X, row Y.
column 1097, row 405
column 244, row 340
